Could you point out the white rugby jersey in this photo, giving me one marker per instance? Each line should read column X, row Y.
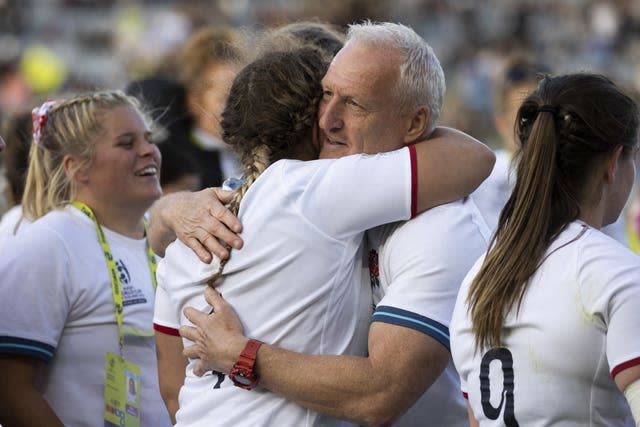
column 416, row 269
column 493, row 193
column 576, row 329
column 295, row 283
column 57, row 306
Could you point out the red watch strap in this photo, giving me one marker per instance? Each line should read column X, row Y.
column 242, row 373
column 249, row 354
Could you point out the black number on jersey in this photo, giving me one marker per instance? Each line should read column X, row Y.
column 221, row 377
column 504, row 356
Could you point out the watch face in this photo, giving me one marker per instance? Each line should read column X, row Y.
column 240, row 378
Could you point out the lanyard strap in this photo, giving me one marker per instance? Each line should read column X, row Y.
column 116, row 286
column 634, row 242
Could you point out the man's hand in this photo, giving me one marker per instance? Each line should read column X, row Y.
column 198, row 219
column 218, row 337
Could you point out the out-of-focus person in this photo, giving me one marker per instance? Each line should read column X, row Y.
column 210, row 60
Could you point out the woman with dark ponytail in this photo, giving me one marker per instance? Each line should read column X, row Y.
column 545, row 327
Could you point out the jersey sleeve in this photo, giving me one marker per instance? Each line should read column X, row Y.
column 180, row 275
column 423, row 262
column 35, row 283
column 610, row 277
column 352, row 194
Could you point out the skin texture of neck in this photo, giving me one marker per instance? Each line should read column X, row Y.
column 125, row 220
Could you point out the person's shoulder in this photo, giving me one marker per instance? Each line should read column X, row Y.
column 450, row 219
column 599, row 250
column 181, row 266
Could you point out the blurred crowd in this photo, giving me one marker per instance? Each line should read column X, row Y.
column 52, row 47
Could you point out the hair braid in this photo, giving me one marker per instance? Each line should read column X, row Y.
column 257, row 161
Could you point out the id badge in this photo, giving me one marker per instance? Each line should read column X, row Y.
column 121, row 392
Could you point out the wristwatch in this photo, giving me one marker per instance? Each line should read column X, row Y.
column 242, row 374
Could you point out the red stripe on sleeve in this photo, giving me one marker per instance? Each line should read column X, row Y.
column 414, row 180
column 626, row 365
column 166, row 330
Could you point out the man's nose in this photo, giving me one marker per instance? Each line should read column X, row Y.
column 330, row 117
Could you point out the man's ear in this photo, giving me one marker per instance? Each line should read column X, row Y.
column 417, row 125
column 74, row 169
column 612, row 164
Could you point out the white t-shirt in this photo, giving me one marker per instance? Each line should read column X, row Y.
column 493, row 193
column 295, row 283
column 577, row 327
column 8, row 224
column 58, row 307
column 416, row 271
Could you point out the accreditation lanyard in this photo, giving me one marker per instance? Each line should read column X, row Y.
column 634, row 242
column 116, row 286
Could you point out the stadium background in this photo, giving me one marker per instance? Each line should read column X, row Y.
column 48, row 46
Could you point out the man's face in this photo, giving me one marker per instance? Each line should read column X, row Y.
column 357, row 113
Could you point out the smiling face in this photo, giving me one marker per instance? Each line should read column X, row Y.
column 125, row 169
column 358, row 111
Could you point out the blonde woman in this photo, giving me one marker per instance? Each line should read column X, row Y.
column 78, row 283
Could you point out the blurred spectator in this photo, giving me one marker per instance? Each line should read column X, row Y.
column 211, row 59
column 15, row 160
column 519, row 78
column 324, row 36
column 179, row 170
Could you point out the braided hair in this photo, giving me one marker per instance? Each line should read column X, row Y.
column 271, row 112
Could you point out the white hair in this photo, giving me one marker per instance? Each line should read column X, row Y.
column 421, row 80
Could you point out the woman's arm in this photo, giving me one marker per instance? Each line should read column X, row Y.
column 472, row 418
column 22, row 405
column 451, row 165
column 171, row 370
column 628, row 381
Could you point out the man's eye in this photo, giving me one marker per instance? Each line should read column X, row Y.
column 327, row 94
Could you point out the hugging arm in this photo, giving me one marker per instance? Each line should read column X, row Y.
column 450, row 165
column 22, row 405
column 366, row 390
column 171, row 370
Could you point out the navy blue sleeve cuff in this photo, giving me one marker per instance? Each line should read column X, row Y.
column 25, row 347
column 408, row 319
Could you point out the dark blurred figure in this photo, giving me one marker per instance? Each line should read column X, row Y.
column 165, row 100
column 17, row 131
column 210, row 60
column 179, row 171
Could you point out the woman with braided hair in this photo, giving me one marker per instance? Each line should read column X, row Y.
column 545, row 328
column 78, row 282
column 303, row 219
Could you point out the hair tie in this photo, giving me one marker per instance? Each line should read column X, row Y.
column 548, row 108
column 39, row 117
